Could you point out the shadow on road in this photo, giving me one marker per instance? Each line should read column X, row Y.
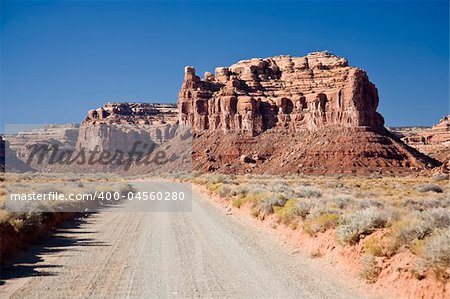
column 28, row 263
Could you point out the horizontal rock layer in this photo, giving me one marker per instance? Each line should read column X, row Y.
column 133, row 113
column 326, row 151
column 292, row 93
column 434, row 141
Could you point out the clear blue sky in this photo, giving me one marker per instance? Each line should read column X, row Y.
column 60, row 59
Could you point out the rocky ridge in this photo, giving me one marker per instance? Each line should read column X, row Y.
column 64, row 135
column 133, row 113
column 118, row 125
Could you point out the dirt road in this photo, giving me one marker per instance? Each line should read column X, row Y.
column 203, row 253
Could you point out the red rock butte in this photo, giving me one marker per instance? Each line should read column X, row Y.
column 294, row 93
column 312, row 114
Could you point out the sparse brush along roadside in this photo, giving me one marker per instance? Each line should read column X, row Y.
column 393, row 232
column 18, row 230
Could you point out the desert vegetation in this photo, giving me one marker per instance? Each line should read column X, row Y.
column 19, row 228
column 383, row 216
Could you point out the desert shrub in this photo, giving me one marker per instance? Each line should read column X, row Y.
column 341, row 201
column 430, row 187
column 244, row 190
column 240, row 191
column 31, row 219
column 217, row 178
column 4, row 216
column 276, row 200
column 125, row 188
column 257, row 188
column 360, row 223
column 225, row 191
column 370, row 270
column 213, row 187
column 282, row 188
column 214, row 178
column 440, row 176
column 302, row 208
column 437, row 252
column 320, row 207
column 334, row 185
column 286, row 213
column 367, row 203
column 267, row 204
column 373, row 246
column 436, row 217
column 308, row 191
column 238, row 202
column 424, row 204
column 320, row 223
column 404, row 232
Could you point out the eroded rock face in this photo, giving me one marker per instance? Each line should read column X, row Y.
column 292, row 93
column 64, row 135
column 119, row 125
column 434, row 141
column 8, row 159
column 133, row 113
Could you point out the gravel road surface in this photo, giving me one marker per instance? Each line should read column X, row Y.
column 204, row 253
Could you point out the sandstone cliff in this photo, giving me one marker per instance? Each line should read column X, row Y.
column 434, row 141
column 9, row 161
column 118, row 125
column 293, row 93
column 133, row 113
column 65, row 135
column 312, row 114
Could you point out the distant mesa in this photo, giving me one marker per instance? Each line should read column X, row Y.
column 9, row 161
column 434, row 141
column 133, row 113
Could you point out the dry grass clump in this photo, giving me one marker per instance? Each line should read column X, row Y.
column 320, row 223
column 287, row 213
column 373, row 246
column 370, row 269
column 437, row 253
